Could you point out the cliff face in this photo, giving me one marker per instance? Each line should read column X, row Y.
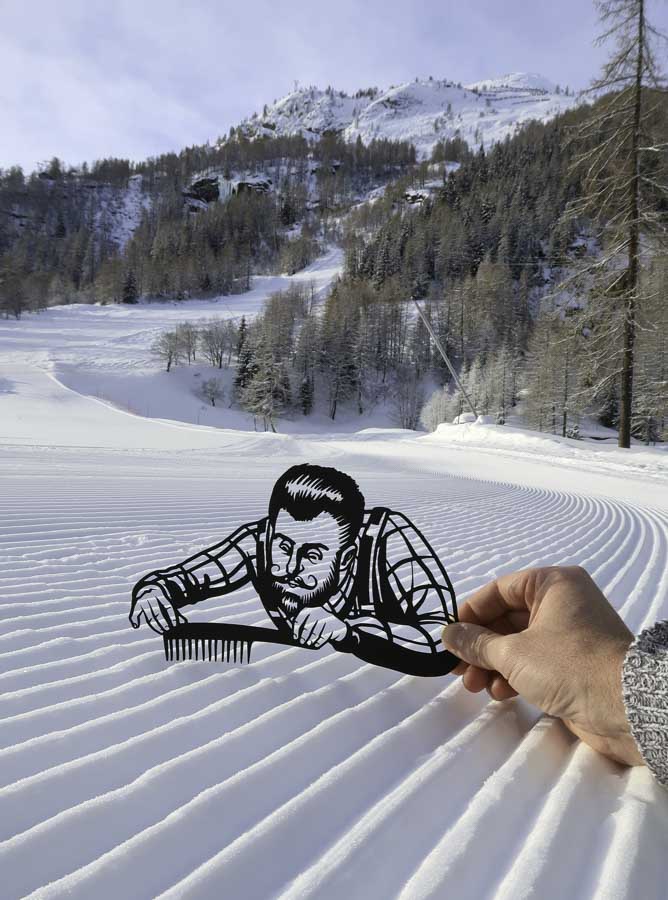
column 57, row 207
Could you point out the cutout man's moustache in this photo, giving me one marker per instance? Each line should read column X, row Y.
column 296, row 582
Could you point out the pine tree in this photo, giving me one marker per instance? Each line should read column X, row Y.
column 242, row 336
column 650, row 404
column 267, row 393
column 246, row 367
column 130, row 291
column 338, row 360
column 553, row 401
column 618, row 160
column 306, row 395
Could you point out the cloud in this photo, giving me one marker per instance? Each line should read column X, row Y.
column 83, row 80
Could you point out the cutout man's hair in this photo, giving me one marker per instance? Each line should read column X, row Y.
column 305, row 491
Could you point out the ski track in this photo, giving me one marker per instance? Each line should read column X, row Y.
column 304, row 774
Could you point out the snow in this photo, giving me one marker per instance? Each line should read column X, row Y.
column 306, row 773
column 518, row 81
column 641, row 472
column 421, row 111
column 104, row 353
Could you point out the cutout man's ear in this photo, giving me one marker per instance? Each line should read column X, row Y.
column 346, row 556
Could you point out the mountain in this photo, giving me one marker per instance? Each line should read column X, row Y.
column 421, row 111
column 117, row 228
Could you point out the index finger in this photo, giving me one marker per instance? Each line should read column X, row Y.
column 508, row 593
column 305, row 623
column 297, row 623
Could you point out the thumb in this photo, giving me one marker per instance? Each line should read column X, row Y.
column 135, row 613
column 477, row 645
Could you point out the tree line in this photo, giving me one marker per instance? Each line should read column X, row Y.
column 366, row 347
column 59, row 240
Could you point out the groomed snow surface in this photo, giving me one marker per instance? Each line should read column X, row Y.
column 306, row 773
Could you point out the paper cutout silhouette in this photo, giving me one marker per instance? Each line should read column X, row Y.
column 326, row 570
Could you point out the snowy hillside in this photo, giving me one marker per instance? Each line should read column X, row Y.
column 421, row 112
column 105, row 352
column 306, row 774
column 524, row 82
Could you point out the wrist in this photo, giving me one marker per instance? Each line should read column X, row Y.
column 617, row 722
column 345, row 637
column 615, row 734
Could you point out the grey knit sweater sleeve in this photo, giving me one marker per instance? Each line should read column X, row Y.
column 645, row 689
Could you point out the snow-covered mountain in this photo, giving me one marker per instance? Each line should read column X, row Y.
column 420, row 111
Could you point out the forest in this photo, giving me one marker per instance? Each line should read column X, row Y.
column 539, row 264
column 491, row 257
column 57, row 242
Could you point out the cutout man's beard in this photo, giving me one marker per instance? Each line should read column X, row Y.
column 291, row 603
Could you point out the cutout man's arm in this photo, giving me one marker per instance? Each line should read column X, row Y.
column 424, row 602
column 406, row 648
column 215, row 571
column 410, row 649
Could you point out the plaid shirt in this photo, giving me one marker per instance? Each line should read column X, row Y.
column 394, row 596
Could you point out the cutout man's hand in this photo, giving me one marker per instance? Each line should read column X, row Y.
column 158, row 612
column 313, row 627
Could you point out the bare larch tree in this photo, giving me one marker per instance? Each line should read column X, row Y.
column 623, row 163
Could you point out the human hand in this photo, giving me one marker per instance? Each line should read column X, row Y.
column 314, row 626
column 158, row 610
column 550, row 636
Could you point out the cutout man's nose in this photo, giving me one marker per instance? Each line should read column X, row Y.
column 294, row 565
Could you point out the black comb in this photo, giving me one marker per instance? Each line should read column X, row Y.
column 224, row 641
column 227, row 642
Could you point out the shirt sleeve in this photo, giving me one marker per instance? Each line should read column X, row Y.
column 217, row 570
column 645, row 691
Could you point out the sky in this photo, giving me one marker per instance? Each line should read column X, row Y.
column 84, row 79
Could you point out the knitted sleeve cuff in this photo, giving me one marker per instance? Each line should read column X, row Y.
column 645, row 691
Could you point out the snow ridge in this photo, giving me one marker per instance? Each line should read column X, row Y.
column 117, row 759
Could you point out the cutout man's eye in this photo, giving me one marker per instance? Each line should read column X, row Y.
column 314, row 556
column 285, row 547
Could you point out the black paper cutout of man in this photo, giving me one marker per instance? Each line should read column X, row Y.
column 326, row 570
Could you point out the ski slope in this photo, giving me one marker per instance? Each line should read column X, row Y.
column 104, row 353
column 306, row 773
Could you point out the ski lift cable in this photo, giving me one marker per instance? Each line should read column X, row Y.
column 441, row 350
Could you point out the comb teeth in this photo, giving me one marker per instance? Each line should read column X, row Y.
column 207, row 649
